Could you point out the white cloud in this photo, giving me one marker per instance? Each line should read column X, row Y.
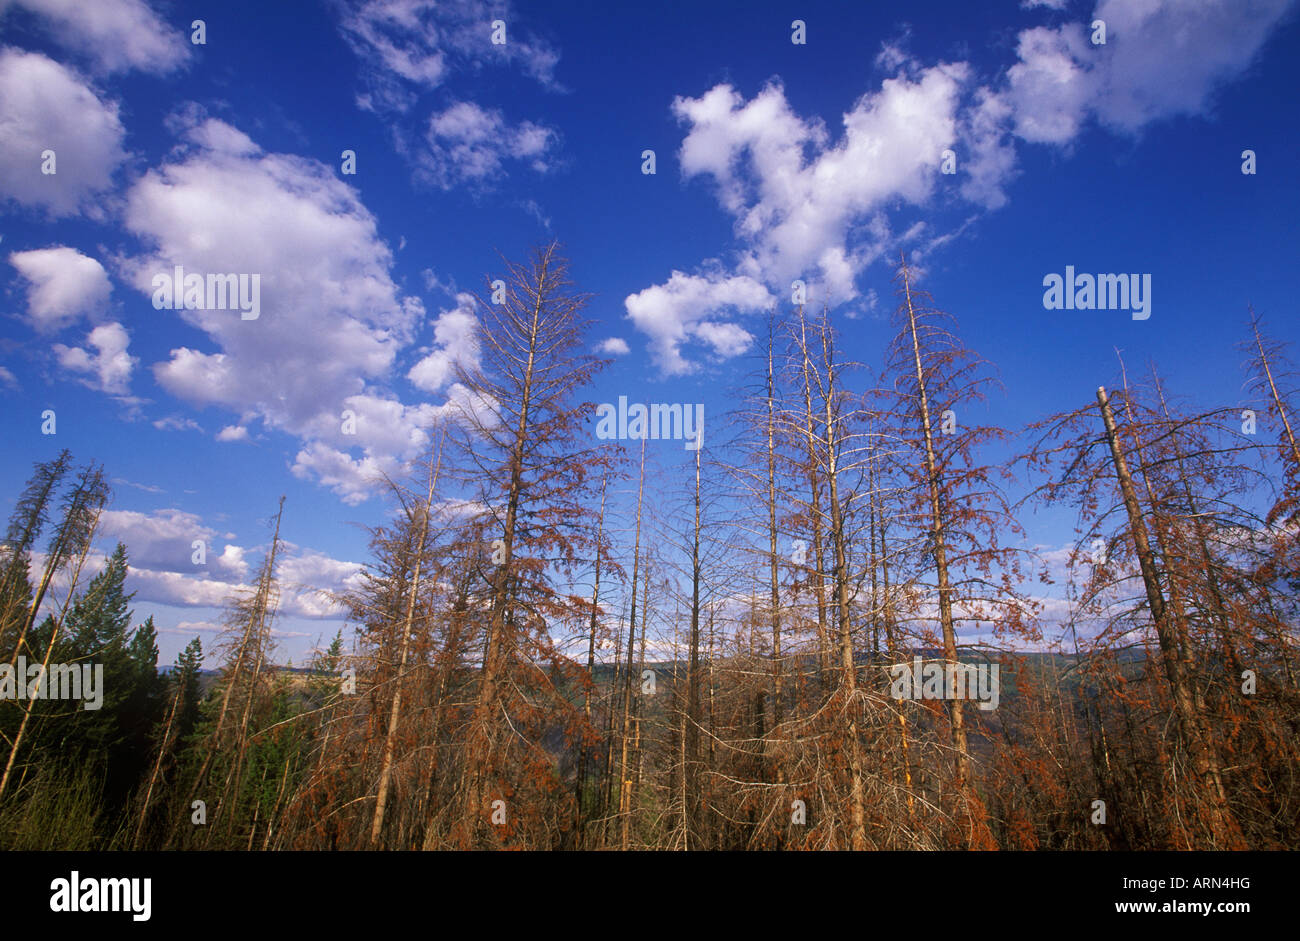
column 804, row 208
column 315, row 569
column 7, row 378
column 455, row 334
column 1162, row 58
column 534, row 209
column 386, row 431
column 819, row 209
column 332, row 319
column 330, row 313
column 1167, row 57
column 312, row 576
column 114, row 34
column 798, row 214
column 177, row 423
column 434, row 283
column 614, row 346
column 470, row 144
column 231, row 560
column 726, row 339
column 63, row 285
column 110, row 363
column 383, row 425
column 1049, row 88
column 411, row 46
column 163, row 541
column 147, row 488
column 192, row 628
column 45, row 106
column 233, row 433
column 161, row 567
column 189, row 591
column 353, row 479
column 989, row 158
column 685, row 308
column 868, row 304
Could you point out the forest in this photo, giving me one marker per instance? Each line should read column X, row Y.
column 572, row 640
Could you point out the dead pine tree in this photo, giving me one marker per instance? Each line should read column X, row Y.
column 165, row 746
column 82, row 508
column 624, row 777
column 417, row 520
column 959, row 507
column 1208, row 773
column 693, row 700
column 84, row 501
column 247, row 647
column 526, row 451
column 832, row 456
column 30, row 516
column 254, row 637
column 589, row 679
column 807, row 427
column 934, row 487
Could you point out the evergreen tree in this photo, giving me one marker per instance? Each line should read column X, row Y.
column 117, row 735
column 185, row 677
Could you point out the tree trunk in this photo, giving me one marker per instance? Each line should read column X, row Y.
column 1207, row 770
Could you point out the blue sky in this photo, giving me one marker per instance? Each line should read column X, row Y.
column 819, row 161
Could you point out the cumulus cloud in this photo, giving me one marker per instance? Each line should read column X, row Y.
column 175, row 588
column 410, row 48
column 470, row 144
column 163, row 541
column 686, row 308
column 311, row 577
column 162, row 570
column 796, row 214
column 989, row 158
column 332, row 319
column 109, row 364
column 114, row 35
column 818, row 207
column 383, row 429
column 726, row 339
column 455, row 334
column 1162, row 58
column 1048, row 88
column 614, row 346
column 45, row 106
column 233, row 433
column 63, row 286
column 1168, row 58
column 386, row 431
column 805, row 208
column 330, row 313
column 351, row 478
